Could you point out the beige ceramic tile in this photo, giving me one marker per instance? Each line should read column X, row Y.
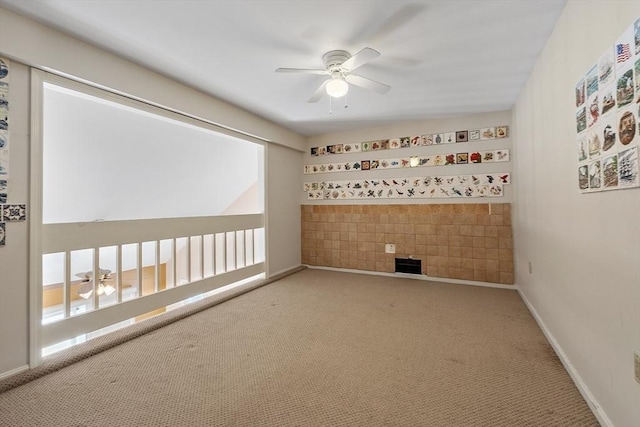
column 478, row 242
column 467, row 273
column 497, row 208
column 490, row 242
column 493, row 276
column 455, row 251
column 478, row 230
column 505, row 243
column 483, row 219
column 466, row 252
column 506, row 278
column 479, row 253
column 506, row 266
column 479, row 275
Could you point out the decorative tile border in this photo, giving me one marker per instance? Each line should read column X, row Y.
column 414, row 141
column 14, row 212
column 4, row 185
column 454, row 186
column 4, row 123
column 490, row 156
column 10, row 213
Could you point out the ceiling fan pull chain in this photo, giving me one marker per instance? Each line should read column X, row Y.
column 330, row 110
column 345, row 101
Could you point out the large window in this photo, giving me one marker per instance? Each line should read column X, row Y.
column 137, row 200
column 104, row 161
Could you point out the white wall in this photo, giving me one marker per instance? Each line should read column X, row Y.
column 584, row 248
column 37, row 45
column 419, row 127
column 24, row 41
column 284, row 178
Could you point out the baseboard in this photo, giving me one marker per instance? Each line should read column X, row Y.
column 286, row 271
column 13, row 372
column 597, row 410
column 418, row 277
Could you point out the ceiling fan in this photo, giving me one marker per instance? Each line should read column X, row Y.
column 86, row 288
column 339, row 65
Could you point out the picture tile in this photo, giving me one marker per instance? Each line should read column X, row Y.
column 608, row 100
column 502, row 131
column 627, row 128
column 462, row 158
column 501, row 156
column 14, row 212
column 462, row 136
column 610, row 172
column 3, row 191
column 394, row 143
column 608, row 137
column 580, row 92
column 449, row 137
column 449, row 159
column 488, row 133
column 595, row 175
column 350, row 148
column 475, row 157
column 487, row 156
column 583, row 177
column 628, row 168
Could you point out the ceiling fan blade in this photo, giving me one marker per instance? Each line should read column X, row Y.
column 301, row 70
column 365, row 55
column 319, row 93
column 367, row 83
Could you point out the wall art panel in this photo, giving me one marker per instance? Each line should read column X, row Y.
column 607, row 117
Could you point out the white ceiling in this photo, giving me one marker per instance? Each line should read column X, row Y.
column 441, row 58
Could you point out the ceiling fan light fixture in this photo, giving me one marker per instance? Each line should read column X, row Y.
column 86, row 290
column 107, row 289
column 337, row 87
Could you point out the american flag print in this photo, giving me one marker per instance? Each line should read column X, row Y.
column 623, row 53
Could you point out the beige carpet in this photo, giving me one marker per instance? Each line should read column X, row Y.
column 321, row 348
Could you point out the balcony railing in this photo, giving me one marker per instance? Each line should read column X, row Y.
column 154, row 263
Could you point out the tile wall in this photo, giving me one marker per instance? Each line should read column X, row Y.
column 455, row 241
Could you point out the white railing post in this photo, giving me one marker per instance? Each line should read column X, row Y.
column 139, row 267
column 67, row 285
column 119, row 272
column 156, row 283
column 96, row 278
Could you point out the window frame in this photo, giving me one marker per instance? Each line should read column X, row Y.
column 38, row 79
